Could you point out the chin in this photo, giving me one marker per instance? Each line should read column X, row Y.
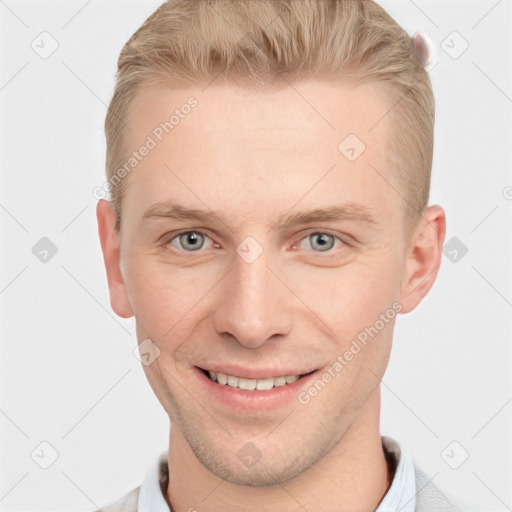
column 249, row 466
column 260, row 475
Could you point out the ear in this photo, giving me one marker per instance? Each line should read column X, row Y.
column 423, row 258
column 110, row 246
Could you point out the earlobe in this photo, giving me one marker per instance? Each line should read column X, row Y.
column 110, row 247
column 423, row 258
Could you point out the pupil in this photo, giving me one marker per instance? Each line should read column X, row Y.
column 321, row 240
column 191, row 240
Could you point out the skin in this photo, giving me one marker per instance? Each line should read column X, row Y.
column 254, row 158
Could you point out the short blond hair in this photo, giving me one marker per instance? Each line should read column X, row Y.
column 250, row 43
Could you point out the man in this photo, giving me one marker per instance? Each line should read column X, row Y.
column 269, row 165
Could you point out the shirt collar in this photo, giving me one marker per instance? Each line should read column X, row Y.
column 401, row 496
column 151, row 497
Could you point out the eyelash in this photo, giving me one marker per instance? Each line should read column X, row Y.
column 204, row 233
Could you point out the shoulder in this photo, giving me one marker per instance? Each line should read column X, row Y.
column 127, row 503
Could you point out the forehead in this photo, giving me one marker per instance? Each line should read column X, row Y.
column 327, row 107
column 259, row 152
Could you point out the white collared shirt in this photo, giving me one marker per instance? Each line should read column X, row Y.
column 401, row 496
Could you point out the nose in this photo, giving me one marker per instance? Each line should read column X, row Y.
column 254, row 305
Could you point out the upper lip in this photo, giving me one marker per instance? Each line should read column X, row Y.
column 253, row 373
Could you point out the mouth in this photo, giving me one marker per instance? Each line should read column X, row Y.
column 231, row 389
column 252, row 384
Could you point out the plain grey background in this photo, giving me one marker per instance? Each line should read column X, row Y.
column 69, row 377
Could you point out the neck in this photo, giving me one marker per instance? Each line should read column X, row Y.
column 353, row 476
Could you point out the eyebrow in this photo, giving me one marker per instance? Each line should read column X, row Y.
column 168, row 210
column 348, row 211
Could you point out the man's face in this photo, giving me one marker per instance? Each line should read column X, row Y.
column 244, row 293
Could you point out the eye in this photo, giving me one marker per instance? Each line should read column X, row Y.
column 189, row 241
column 193, row 241
column 321, row 242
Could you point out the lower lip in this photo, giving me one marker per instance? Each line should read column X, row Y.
column 274, row 398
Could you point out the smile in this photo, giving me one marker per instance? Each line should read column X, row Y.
column 251, row 384
column 256, row 390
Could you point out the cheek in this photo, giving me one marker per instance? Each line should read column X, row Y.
column 164, row 298
column 352, row 298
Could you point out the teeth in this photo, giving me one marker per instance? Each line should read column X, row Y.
column 252, row 384
column 265, row 384
column 280, row 381
column 247, row 384
column 232, row 381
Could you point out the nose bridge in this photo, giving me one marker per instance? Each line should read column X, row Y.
column 252, row 307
